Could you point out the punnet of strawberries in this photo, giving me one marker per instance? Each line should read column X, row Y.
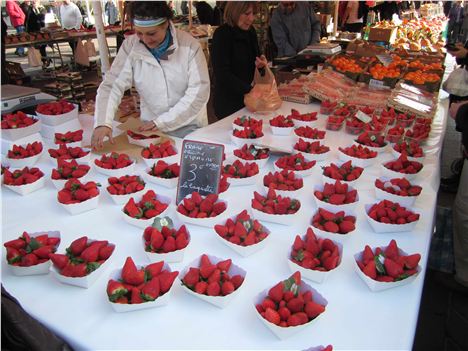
column 403, row 165
column 338, row 222
column 140, row 284
column 311, row 148
column 389, row 212
column 162, row 169
column 275, row 204
column 253, row 132
column 67, row 153
column 69, row 169
column 198, row 206
column 113, row 161
column 315, row 253
column 212, row 279
column 335, row 122
column 165, row 149
column 287, row 305
column 371, row 139
column 55, row 108
column 388, row 264
column 17, row 120
column 336, row 194
column 281, row 121
column 239, row 169
column 162, row 237
column 19, row 152
column 243, row 230
column 354, row 124
column 375, row 125
column 398, row 186
column 309, row 133
column 284, row 180
column 358, row 151
column 343, row 111
column 252, row 152
column 412, row 148
column 127, row 184
column 148, row 207
column 246, row 121
column 138, row 136
column 82, row 257
column 29, row 251
column 68, row 137
column 419, row 132
column 346, row 172
column 294, row 162
column 75, row 192
column 395, row 134
column 22, row 176
column 405, row 119
column 305, row 117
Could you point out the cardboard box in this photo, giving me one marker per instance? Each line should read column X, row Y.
column 387, row 35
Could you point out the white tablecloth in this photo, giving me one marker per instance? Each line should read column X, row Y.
column 355, row 318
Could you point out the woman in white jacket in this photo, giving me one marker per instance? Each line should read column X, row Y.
column 167, row 68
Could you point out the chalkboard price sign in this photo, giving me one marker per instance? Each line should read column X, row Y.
column 200, row 168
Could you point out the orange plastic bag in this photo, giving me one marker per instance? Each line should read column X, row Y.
column 264, row 94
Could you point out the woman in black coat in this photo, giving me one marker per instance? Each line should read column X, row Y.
column 234, row 55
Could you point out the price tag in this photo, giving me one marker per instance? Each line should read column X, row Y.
column 200, row 168
column 385, row 59
column 377, row 84
column 363, row 117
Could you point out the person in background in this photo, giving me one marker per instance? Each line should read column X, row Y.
column 70, row 18
column 387, row 9
column 204, row 12
column 168, row 69
column 464, row 28
column 5, row 78
column 351, row 20
column 17, row 18
column 234, row 55
column 34, row 23
column 111, row 12
column 218, row 13
column 455, row 22
column 294, row 25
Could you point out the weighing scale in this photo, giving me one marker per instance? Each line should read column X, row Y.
column 17, row 97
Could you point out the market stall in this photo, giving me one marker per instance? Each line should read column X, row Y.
column 354, row 318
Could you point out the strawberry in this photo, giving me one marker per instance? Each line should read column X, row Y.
column 59, row 260
column 411, row 261
column 213, row 289
column 150, row 290
column 154, row 269
column 166, row 279
column 370, row 270
column 201, row 287
column 276, row 292
column 272, row 316
column 130, row 274
column 191, row 278
column 392, row 268
column 227, row 288
column 115, row 290
column 77, row 246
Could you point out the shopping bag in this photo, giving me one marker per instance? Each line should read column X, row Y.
column 457, row 82
column 89, row 45
column 34, row 57
column 264, row 94
column 81, row 54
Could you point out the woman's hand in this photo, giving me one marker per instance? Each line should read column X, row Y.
column 148, row 125
column 99, row 134
column 261, row 62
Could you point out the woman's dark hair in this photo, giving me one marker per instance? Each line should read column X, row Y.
column 151, row 9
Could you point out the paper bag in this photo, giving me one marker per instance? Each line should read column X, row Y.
column 264, row 94
column 89, row 45
column 81, row 54
column 34, row 57
column 457, row 82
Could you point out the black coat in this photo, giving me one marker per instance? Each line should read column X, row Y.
column 233, row 53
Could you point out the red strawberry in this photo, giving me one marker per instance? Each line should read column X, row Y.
column 151, row 290
column 136, row 296
column 276, row 292
column 59, row 260
column 78, row 245
column 213, row 289
column 115, row 290
column 313, row 309
column 106, row 251
column 227, row 288
column 272, row 316
column 130, row 274
column 370, row 270
column 201, row 287
column 166, row 279
column 154, row 269
column 192, row 277
column 392, row 268
column 411, row 261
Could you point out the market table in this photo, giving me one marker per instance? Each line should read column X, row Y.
column 355, row 317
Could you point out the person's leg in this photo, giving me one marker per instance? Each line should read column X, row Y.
column 20, row 50
column 460, row 228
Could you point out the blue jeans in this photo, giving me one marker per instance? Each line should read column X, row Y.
column 20, row 50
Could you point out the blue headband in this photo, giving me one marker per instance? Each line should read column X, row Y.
column 150, row 22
